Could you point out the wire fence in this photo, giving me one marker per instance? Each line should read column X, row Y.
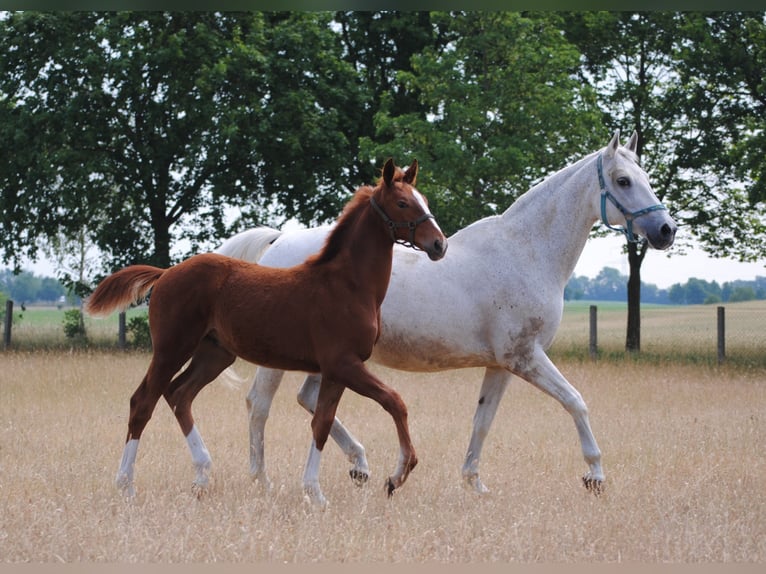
column 707, row 334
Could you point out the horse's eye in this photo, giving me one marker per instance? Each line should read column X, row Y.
column 623, row 182
column 402, row 204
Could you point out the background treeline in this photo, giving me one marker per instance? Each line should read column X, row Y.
column 609, row 285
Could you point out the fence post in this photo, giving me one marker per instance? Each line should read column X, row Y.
column 593, row 342
column 121, row 331
column 8, row 323
column 721, row 335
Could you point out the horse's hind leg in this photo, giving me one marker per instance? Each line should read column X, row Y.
column 208, row 361
column 259, row 399
column 142, row 404
column 492, row 390
column 353, row 449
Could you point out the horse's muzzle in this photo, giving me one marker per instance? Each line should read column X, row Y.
column 437, row 249
column 663, row 236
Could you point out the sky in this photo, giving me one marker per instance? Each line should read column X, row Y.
column 664, row 268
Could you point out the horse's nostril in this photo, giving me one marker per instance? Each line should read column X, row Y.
column 666, row 230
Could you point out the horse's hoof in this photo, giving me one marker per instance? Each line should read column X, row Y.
column 474, row 483
column 593, row 485
column 200, row 486
column 359, row 477
column 314, row 497
column 262, row 482
column 390, row 487
column 125, row 486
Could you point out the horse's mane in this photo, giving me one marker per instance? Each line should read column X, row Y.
column 337, row 238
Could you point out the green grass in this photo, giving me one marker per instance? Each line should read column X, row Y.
column 43, row 328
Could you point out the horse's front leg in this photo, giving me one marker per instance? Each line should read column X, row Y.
column 353, row 449
column 543, row 374
column 328, row 398
column 355, row 376
column 492, row 390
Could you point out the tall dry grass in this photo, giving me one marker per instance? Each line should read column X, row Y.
column 683, row 452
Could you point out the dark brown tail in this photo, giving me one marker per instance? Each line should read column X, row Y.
column 122, row 288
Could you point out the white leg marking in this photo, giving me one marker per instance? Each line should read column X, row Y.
column 124, row 478
column 200, row 458
column 353, row 449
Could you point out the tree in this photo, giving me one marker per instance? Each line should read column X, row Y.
column 627, row 61
column 722, row 98
column 380, row 47
column 501, row 108
column 663, row 74
column 146, row 127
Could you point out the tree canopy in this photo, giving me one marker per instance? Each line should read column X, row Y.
column 156, row 134
column 144, row 127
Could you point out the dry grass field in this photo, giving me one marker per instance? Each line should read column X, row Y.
column 683, row 451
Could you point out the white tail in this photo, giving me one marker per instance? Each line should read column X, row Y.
column 249, row 245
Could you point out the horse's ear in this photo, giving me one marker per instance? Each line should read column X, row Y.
column 613, row 144
column 633, row 142
column 388, row 171
column 411, row 175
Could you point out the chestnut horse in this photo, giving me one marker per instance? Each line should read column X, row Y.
column 321, row 316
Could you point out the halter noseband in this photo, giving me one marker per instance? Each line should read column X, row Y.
column 393, row 225
column 629, row 215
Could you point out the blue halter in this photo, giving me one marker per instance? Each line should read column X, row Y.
column 629, row 215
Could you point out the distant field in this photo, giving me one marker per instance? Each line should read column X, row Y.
column 683, row 333
column 42, row 327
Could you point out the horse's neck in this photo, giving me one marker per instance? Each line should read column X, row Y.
column 554, row 218
column 370, row 250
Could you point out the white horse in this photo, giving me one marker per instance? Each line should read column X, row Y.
column 495, row 302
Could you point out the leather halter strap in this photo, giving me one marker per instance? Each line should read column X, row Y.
column 394, row 225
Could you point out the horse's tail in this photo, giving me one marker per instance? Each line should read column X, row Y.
column 122, row 288
column 249, row 245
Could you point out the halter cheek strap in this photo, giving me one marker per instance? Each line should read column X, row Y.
column 394, row 225
column 629, row 215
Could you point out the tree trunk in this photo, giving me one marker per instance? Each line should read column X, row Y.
column 636, row 253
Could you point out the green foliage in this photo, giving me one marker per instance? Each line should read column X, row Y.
column 138, row 329
column 74, row 326
column 26, row 287
column 163, row 120
column 502, row 110
column 743, row 293
column 3, row 299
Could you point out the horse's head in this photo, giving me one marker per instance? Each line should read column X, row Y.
column 405, row 211
column 627, row 198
